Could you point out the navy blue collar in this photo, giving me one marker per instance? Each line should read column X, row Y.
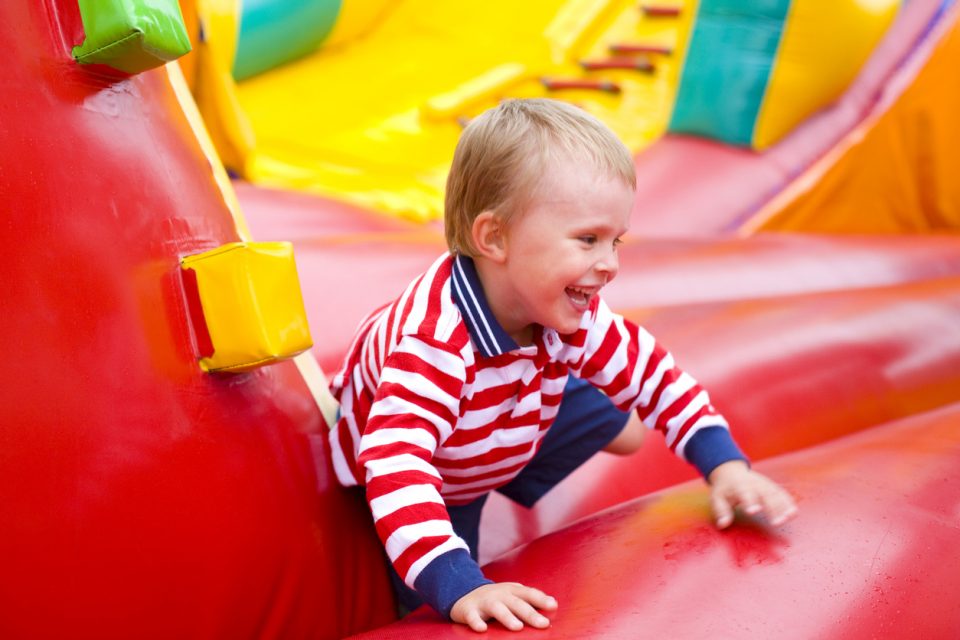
column 488, row 336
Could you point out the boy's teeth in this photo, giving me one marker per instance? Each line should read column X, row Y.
column 578, row 296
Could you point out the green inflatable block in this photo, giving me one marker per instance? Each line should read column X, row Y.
column 131, row 35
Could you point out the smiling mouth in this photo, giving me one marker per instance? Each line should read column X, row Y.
column 579, row 297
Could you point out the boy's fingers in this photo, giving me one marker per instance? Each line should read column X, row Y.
column 722, row 511
column 475, row 621
column 749, row 500
column 510, row 604
column 780, row 506
column 754, row 494
column 537, row 598
column 751, row 506
column 525, row 611
column 783, row 516
column 505, row 616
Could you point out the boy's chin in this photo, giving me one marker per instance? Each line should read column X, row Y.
column 567, row 328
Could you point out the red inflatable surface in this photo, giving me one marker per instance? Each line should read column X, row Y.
column 870, row 556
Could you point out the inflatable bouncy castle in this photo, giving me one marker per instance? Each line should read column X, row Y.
column 204, row 198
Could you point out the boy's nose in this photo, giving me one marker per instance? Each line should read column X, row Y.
column 609, row 264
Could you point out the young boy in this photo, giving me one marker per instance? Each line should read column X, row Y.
column 500, row 368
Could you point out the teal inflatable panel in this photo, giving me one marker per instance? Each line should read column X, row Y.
column 273, row 32
column 730, row 56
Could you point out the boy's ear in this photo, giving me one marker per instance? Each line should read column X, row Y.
column 488, row 235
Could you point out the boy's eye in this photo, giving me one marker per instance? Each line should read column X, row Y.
column 617, row 242
column 588, row 239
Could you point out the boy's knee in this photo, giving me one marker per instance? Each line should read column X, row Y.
column 629, row 439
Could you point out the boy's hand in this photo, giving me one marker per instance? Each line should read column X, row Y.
column 510, row 603
column 734, row 484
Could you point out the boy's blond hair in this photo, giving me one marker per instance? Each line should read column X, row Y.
column 504, row 152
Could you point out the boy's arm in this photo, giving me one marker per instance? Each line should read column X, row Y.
column 625, row 362
column 628, row 364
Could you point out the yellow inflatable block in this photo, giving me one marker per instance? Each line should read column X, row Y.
column 250, row 306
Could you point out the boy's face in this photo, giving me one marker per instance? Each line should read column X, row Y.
column 562, row 248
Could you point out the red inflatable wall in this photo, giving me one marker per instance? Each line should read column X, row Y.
column 140, row 497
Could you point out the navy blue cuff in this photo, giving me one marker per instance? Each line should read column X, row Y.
column 710, row 447
column 448, row 578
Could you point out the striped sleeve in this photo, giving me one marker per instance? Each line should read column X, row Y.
column 637, row 373
column 414, row 410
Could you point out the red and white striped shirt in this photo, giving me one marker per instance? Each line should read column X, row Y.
column 440, row 406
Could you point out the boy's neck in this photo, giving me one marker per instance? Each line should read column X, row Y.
column 497, row 289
